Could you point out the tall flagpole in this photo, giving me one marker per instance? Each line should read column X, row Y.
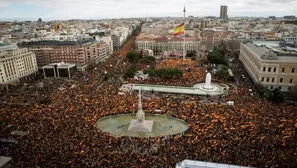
column 184, row 46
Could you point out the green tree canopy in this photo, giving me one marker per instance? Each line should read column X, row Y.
column 277, row 96
column 191, row 54
column 130, row 72
column 133, row 56
column 220, row 50
column 165, row 73
column 223, row 73
column 216, row 57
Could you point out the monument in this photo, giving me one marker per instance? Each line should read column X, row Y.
column 140, row 124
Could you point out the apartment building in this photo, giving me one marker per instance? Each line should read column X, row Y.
column 82, row 52
column 106, row 39
column 272, row 67
column 15, row 65
column 104, row 50
column 212, row 38
column 119, row 36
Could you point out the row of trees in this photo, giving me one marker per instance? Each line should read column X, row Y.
column 165, row 73
column 275, row 95
column 136, row 58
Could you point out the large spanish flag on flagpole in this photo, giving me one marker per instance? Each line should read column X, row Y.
column 180, row 29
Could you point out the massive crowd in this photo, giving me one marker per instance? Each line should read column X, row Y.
column 62, row 133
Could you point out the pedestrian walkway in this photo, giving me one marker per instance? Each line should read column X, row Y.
column 173, row 89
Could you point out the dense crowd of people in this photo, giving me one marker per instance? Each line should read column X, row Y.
column 63, row 133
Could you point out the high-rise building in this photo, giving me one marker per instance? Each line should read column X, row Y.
column 223, row 12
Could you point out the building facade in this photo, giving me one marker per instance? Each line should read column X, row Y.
column 291, row 39
column 81, row 53
column 119, row 36
column 59, row 70
column 224, row 12
column 270, row 67
column 15, row 65
column 164, row 43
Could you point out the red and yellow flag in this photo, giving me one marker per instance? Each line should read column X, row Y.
column 180, row 29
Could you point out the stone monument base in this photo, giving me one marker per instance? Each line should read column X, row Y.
column 146, row 126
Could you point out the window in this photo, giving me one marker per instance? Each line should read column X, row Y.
column 283, row 69
column 272, row 80
column 293, row 70
column 264, row 68
column 274, row 69
column 291, row 80
column 269, row 69
column 262, row 79
column 281, row 80
column 267, row 79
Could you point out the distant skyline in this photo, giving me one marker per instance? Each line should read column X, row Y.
column 106, row 9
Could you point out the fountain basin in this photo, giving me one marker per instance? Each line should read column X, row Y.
column 117, row 125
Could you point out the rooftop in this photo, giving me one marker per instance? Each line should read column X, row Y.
column 55, row 42
column 154, row 37
column 270, row 50
column 59, row 65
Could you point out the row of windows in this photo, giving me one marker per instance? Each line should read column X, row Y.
column 269, row 69
column 281, row 80
column 274, row 69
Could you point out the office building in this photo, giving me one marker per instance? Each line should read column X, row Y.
column 269, row 65
column 224, row 12
column 15, row 65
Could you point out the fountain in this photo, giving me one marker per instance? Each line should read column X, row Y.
column 140, row 124
column 208, row 81
column 149, row 125
column 208, row 87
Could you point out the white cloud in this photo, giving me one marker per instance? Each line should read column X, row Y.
column 67, row 9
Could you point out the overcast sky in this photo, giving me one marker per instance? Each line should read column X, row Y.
column 100, row 9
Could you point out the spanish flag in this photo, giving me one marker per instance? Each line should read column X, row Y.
column 180, row 29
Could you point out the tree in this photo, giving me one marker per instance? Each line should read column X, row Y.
column 165, row 73
column 223, row 73
column 133, row 57
column 261, row 89
column 292, row 93
column 220, row 50
column 129, row 73
column 191, row 54
column 216, row 57
column 277, row 96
